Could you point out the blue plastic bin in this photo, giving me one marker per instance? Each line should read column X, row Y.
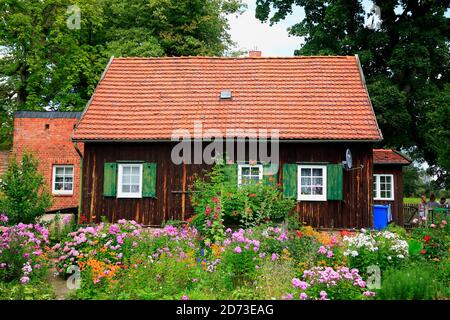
column 380, row 216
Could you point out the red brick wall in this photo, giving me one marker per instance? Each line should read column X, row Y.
column 52, row 146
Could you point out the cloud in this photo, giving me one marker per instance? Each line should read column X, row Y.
column 248, row 32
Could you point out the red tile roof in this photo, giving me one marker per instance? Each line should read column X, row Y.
column 388, row 156
column 307, row 98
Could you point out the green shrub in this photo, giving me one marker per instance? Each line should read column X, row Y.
column 415, row 282
column 25, row 197
column 37, row 290
column 218, row 199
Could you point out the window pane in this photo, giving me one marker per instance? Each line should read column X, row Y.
column 126, row 179
column 58, row 186
column 134, row 188
column 245, row 171
column 317, row 190
column 135, row 180
column 317, row 181
column 135, row 170
column 382, row 179
column 255, row 171
column 306, row 190
column 125, row 188
column 305, row 172
column 59, row 179
column 68, row 186
column 69, row 170
column 317, row 172
column 59, row 171
column 126, row 170
column 68, row 179
column 305, row 181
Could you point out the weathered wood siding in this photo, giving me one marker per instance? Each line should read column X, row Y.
column 397, row 203
column 173, row 181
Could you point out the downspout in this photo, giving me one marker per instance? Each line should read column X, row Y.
column 80, row 195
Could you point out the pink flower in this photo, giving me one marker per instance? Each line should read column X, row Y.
column 274, row 256
column 323, row 295
column 322, row 250
column 444, row 222
column 303, row 296
column 208, row 223
column 24, row 280
column 432, row 225
column 300, row 284
column 288, row 296
column 238, row 249
column 369, row 293
column 184, row 297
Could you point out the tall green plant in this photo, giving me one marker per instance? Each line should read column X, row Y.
column 25, row 196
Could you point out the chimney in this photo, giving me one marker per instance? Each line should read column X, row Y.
column 254, row 54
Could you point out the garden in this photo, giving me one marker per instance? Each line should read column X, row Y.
column 242, row 243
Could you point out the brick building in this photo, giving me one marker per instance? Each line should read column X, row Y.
column 48, row 136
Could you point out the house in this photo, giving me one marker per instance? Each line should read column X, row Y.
column 316, row 109
column 388, row 180
column 47, row 135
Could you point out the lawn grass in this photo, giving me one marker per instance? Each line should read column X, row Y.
column 412, row 200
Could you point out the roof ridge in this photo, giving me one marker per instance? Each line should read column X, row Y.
column 232, row 58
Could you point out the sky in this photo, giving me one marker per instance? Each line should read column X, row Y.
column 248, row 32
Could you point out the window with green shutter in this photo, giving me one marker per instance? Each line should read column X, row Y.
column 335, row 182
column 149, row 180
column 290, row 180
column 110, row 179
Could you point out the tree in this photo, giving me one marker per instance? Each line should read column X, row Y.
column 406, row 61
column 47, row 62
column 24, row 196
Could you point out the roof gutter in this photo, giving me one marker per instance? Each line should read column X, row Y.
column 363, row 80
column 206, row 140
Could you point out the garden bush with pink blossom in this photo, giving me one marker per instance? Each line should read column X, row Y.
column 325, row 283
column 23, row 252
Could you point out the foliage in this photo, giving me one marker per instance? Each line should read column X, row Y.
column 325, row 283
column 98, row 248
column 46, row 64
column 25, row 197
column 381, row 249
column 265, row 262
column 405, row 60
column 60, row 228
column 434, row 241
column 218, row 201
column 415, row 282
column 23, row 253
column 36, row 290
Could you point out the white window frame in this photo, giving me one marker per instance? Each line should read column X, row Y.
column 259, row 166
column 63, row 192
column 132, row 195
column 312, row 197
column 376, row 178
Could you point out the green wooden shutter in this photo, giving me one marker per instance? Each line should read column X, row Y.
column 149, row 181
column 290, row 180
column 335, row 183
column 270, row 174
column 231, row 173
column 110, row 179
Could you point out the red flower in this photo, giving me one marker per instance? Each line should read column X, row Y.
column 207, row 210
column 423, row 251
column 218, row 209
column 215, row 200
column 427, row 238
column 83, row 218
column 252, row 195
column 215, row 216
column 299, row 234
